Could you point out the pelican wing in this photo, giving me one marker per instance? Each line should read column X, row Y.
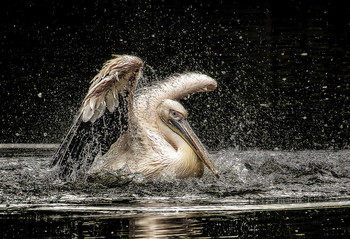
column 176, row 87
column 95, row 129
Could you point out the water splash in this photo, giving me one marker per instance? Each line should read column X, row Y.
column 245, row 175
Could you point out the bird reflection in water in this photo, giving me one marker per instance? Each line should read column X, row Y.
column 164, row 227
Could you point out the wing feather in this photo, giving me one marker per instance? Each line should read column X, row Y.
column 110, row 101
column 94, row 130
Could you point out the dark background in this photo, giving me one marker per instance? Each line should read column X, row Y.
column 283, row 67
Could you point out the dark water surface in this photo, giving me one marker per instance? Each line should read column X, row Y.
column 268, row 194
column 320, row 222
column 283, row 67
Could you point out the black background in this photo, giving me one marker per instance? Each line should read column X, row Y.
column 283, row 67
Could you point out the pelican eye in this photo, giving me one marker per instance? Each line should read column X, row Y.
column 176, row 115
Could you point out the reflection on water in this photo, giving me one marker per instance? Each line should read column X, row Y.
column 306, row 223
column 162, row 226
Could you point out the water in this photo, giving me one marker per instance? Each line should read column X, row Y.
column 324, row 222
column 260, row 193
column 283, row 69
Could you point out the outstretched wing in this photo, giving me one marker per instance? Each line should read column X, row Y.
column 95, row 129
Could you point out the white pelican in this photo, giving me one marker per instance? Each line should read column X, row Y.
column 156, row 138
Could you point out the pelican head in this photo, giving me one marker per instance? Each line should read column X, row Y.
column 174, row 116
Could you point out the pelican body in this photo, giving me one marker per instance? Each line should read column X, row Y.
column 144, row 130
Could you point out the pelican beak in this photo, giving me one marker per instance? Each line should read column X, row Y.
column 183, row 128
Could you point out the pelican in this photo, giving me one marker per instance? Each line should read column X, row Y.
column 144, row 130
